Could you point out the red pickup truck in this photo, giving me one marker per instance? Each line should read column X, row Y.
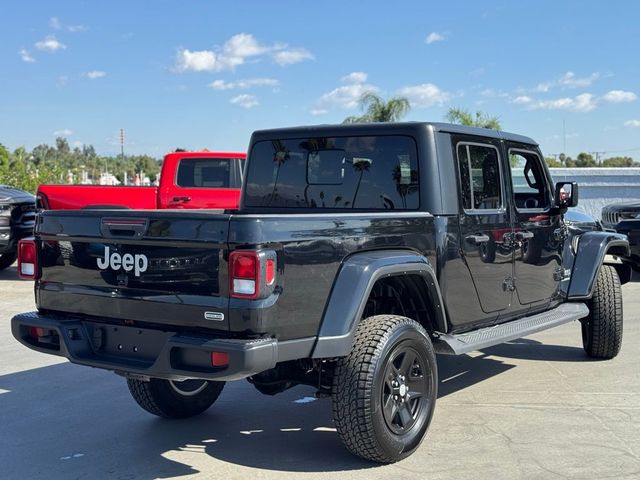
column 187, row 180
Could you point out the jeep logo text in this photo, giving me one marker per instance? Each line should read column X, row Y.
column 138, row 262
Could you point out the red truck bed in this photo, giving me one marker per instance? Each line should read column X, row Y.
column 188, row 180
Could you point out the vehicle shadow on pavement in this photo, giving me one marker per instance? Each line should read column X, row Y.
column 10, row 273
column 527, row 349
column 78, row 421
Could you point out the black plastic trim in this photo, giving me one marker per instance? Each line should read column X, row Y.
column 246, row 356
column 591, row 250
column 351, row 290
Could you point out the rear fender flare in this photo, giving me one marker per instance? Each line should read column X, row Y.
column 352, row 287
column 589, row 257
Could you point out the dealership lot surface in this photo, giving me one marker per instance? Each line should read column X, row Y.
column 534, row 408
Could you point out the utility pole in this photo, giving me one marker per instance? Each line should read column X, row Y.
column 122, row 143
column 122, row 151
column 564, row 137
column 597, row 155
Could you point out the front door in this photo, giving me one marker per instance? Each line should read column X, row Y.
column 538, row 231
column 485, row 222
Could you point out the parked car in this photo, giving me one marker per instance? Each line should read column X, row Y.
column 17, row 217
column 187, row 180
column 352, row 260
column 625, row 218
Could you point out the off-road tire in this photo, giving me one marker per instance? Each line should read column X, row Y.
column 7, row 259
column 602, row 329
column 362, row 378
column 161, row 398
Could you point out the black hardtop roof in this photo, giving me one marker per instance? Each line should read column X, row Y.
column 384, row 127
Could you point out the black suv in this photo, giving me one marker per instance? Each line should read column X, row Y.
column 17, row 218
column 358, row 253
column 625, row 218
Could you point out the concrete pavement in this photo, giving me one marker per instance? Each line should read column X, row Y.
column 536, row 408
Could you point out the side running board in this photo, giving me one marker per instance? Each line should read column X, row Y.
column 458, row 344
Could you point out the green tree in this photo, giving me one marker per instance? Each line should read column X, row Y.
column 552, row 162
column 584, row 160
column 378, row 110
column 4, row 159
column 465, row 117
column 619, row 162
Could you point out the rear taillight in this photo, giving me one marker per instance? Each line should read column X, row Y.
column 244, row 274
column 252, row 274
column 27, row 259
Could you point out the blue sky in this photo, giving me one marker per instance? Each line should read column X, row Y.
column 199, row 74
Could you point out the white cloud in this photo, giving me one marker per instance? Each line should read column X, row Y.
column 197, row 61
column 434, row 37
column 318, row 111
column 244, row 84
column 632, row 123
column 50, row 44
column 425, row 95
column 568, row 80
column 235, row 52
column 26, row 56
column 522, row 100
column 65, row 132
column 245, row 101
column 584, row 102
column 619, row 96
column 77, row 144
column 94, row 74
column 288, row 57
column 76, row 28
column 345, row 96
column 490, row 92
column 62, row 81
column 355, row 77
column 54, row 23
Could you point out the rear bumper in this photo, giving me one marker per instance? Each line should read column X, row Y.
column 144, row 351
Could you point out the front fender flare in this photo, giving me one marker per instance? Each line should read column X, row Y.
column 589, row 256
column 351, row 289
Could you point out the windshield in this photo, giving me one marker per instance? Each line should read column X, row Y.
column 357, row 172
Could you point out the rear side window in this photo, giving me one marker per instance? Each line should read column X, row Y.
column 209, row 173
column 358, row 172
column 480, row 177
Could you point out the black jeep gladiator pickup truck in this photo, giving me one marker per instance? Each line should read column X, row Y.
column 358, row 252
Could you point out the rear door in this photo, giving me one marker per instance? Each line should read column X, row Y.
column 485, row 221
column 204, row 182
column 539, row 229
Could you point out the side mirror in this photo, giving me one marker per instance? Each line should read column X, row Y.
column 566, row 194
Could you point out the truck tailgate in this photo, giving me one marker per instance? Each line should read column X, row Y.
column 138, row 266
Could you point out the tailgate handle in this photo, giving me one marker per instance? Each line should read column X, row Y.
column 124, row 227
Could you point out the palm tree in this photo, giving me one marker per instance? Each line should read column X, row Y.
column 377, row 110
column 465, row 117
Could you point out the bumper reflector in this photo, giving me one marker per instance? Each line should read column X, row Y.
column 219, row 359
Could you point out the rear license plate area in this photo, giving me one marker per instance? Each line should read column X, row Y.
column 141, row 344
